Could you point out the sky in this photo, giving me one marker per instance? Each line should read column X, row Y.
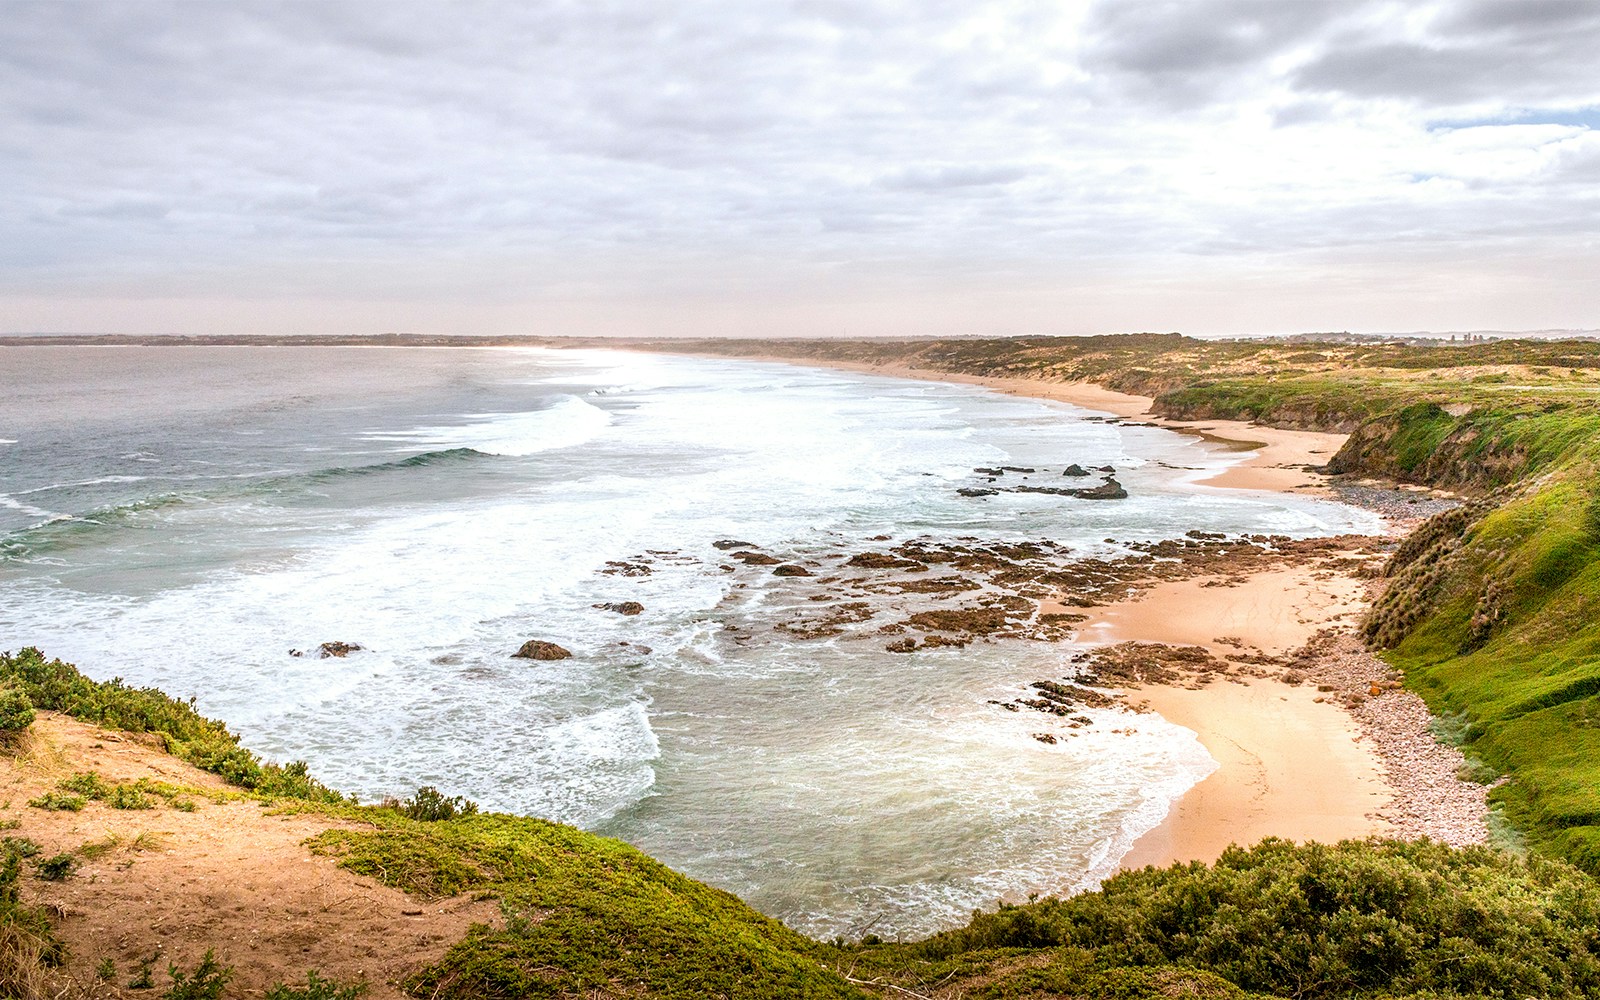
column 813, row 168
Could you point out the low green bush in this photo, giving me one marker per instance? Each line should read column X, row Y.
column 16, row 711
column 59, row 802
column 431, row 805
column 203, row 742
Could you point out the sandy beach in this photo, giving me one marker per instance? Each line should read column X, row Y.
column 1292, row 762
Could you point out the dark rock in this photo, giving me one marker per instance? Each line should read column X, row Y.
column 790, row 569
column 537, row 649
column 905, row 645
column 339, row 649
column 1105, row 468
column 1045, row 738
column 986, row 471
column 729, row 543
column 973, row 491
column 622, row 608
column 1075, row 470
column 616, row 567
column 882, row 560
column 1108, row 490
column 1016, row 468
column 756, row 559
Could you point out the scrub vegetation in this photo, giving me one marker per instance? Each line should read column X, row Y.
column 1492, row 612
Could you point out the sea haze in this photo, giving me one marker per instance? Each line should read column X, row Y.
column 183, row 517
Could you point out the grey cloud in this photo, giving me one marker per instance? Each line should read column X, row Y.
column 1183, row 53
column 941, row 178
column 1510, row 54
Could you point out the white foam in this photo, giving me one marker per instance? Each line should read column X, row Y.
column 12, row 503
column 567, row 423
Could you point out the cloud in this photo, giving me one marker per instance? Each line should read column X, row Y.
column 600, row 152
column 1507, row 54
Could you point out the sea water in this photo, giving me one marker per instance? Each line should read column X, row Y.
column 184, row 517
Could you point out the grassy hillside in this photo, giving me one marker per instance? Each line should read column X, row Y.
column 585, row 916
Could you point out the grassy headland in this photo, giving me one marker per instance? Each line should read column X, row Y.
column 585, row 916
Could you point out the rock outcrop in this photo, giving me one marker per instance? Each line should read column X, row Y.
column 538, row 649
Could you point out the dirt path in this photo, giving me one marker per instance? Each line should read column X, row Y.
column 163, row 885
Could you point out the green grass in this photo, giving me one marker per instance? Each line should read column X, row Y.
column 1505, row 634
column 581, row 913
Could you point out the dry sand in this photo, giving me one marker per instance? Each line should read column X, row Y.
column 164, row 886
column 1291, row 764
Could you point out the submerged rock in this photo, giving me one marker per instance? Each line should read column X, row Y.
column 883, row 560
column 732, row 543
column 790, row 569
column 538, row 649
column 621, row 607
column 334, row 649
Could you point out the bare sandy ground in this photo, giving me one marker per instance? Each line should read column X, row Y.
column 164, row 886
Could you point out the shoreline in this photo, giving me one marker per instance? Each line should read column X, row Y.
column 1280, row 456
column 1369, row 771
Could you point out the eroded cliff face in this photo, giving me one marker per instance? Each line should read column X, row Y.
column 1424, row 444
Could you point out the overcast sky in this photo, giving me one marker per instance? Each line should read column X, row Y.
column 851, row 167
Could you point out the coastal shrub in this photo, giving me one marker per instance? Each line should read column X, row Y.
column 28, row 945
column 22, row 847
column 1356, row 918
column 16, row 711
column 431, row 805
column 188, row 735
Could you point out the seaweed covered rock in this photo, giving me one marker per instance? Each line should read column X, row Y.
column 538, row 649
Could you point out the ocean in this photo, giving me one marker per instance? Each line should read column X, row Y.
column 185, row 517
